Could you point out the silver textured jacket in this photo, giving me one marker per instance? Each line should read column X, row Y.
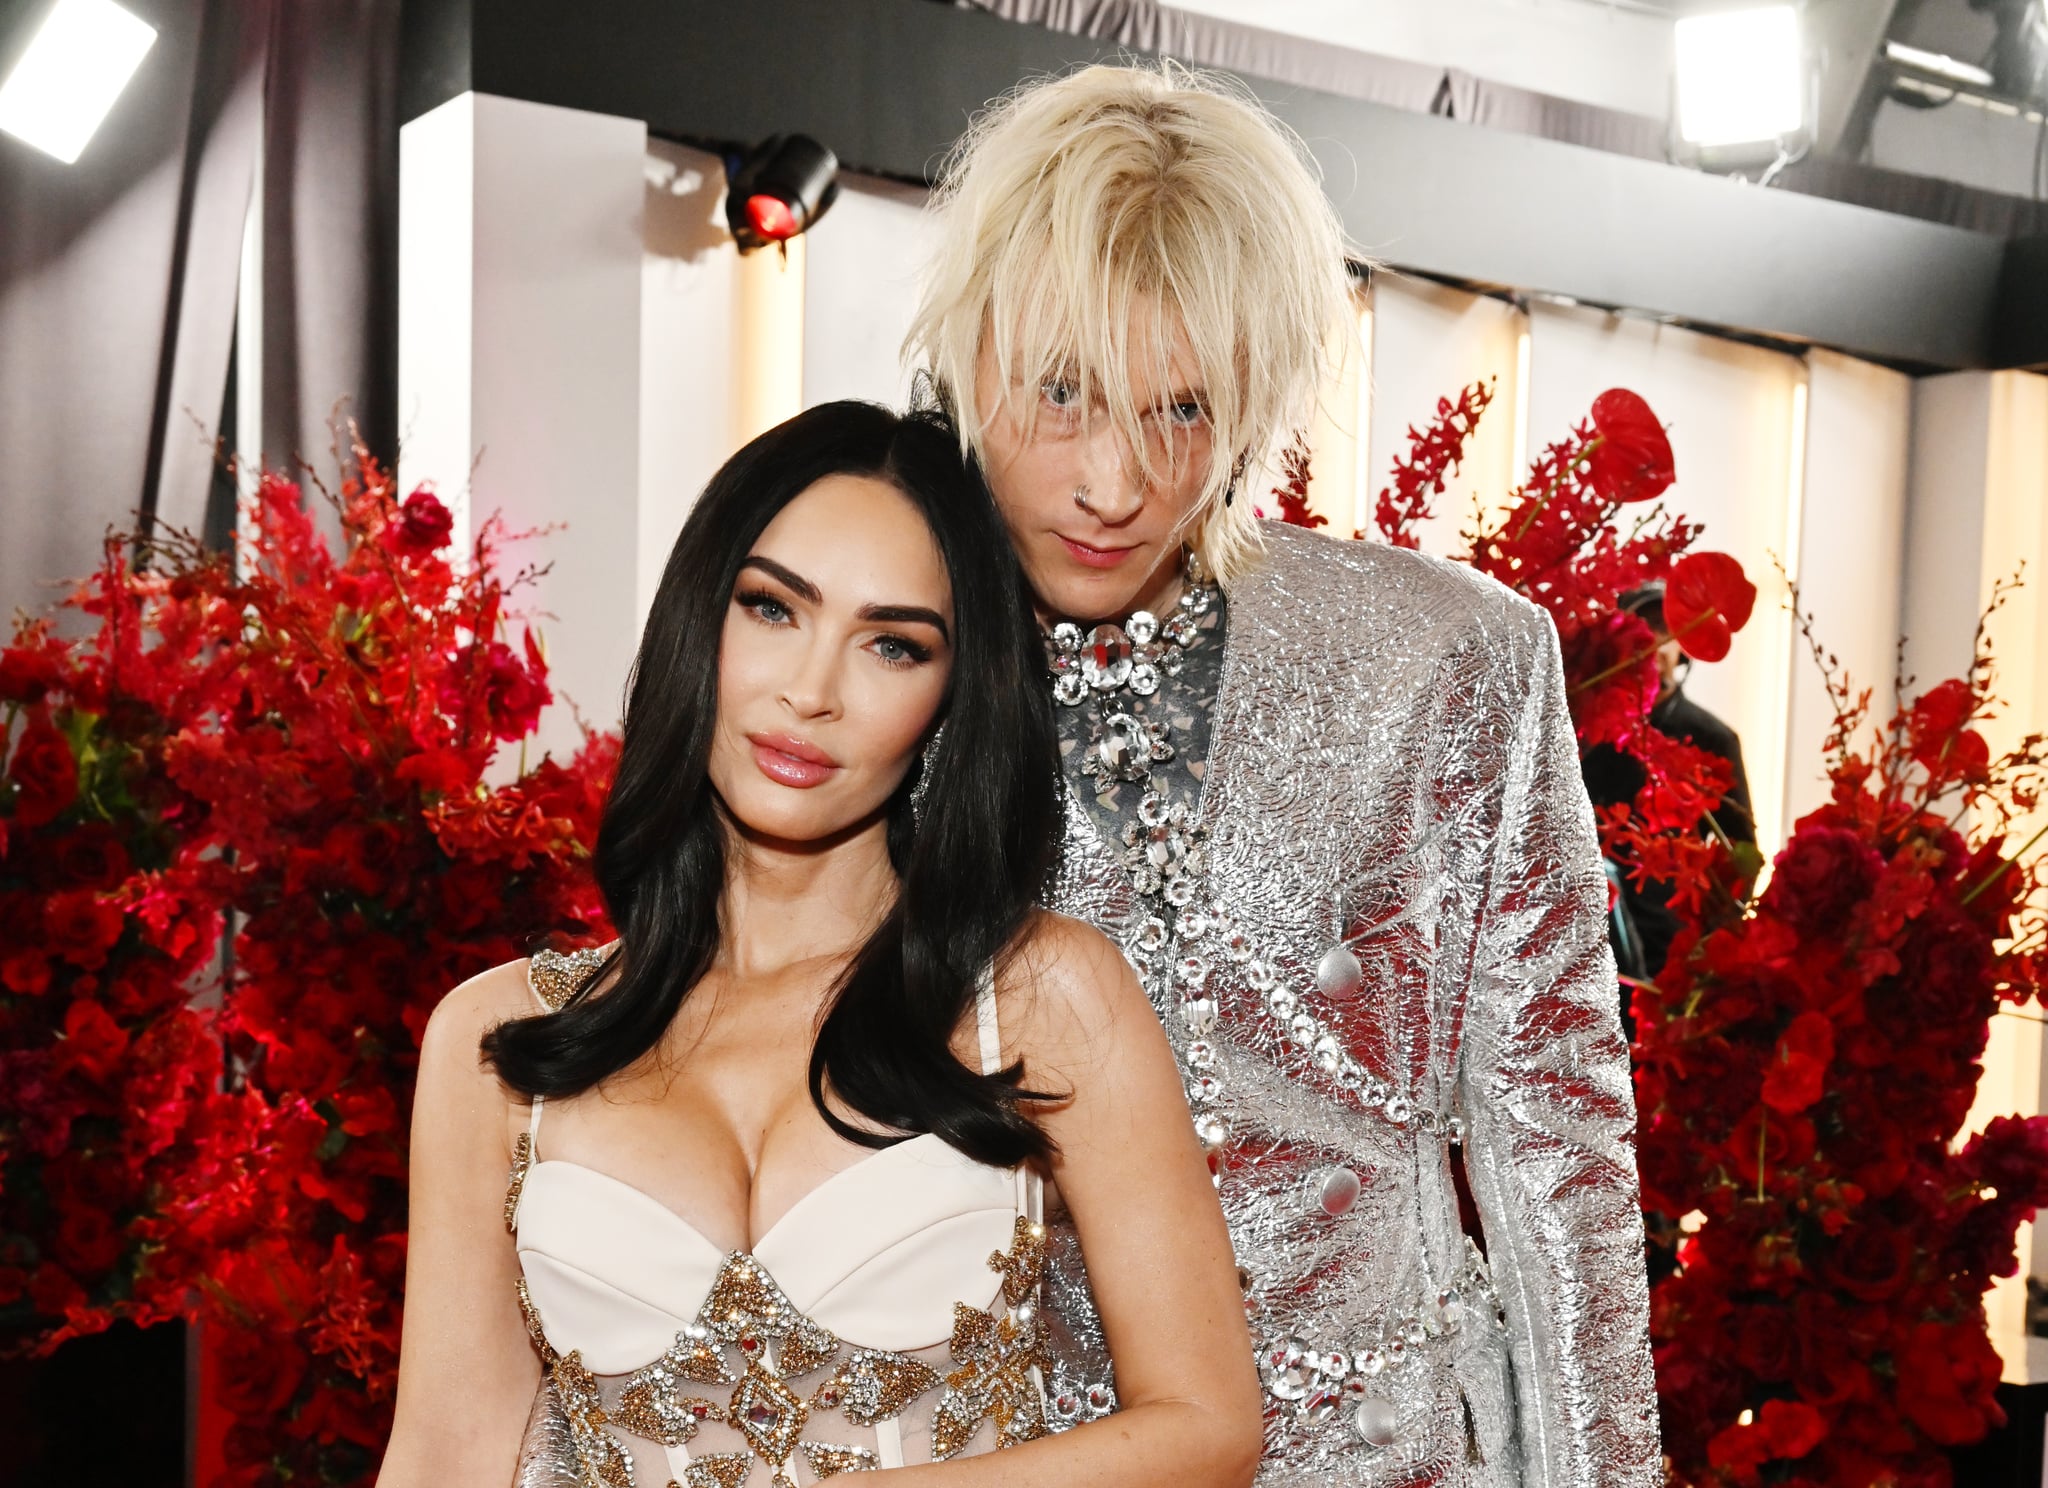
column 1392, row 774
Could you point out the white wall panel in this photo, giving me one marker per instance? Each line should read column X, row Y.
column 1430, row 341
column 544, row 391
column 1729, row 409
column 861, row 291
column 689, row 298
column 1859, row 420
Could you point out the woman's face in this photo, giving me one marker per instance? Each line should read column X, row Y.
column 836, row 652
column 1121, row 551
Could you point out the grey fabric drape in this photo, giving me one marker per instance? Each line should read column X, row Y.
column 118, row 274
column 117, row 282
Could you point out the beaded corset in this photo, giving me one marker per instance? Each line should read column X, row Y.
column 1377, row 942
column 889, row 1317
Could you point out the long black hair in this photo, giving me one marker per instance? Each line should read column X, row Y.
column 971, row 860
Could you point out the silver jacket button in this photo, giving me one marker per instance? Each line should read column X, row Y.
column 1377, row 1422
column 1338, row 975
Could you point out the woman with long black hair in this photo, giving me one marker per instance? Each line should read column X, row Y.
column 802, row 1119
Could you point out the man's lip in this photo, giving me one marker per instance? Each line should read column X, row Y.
column 1092, row 556
column 796, row 749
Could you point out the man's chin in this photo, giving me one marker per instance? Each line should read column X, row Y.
column 1087, row 595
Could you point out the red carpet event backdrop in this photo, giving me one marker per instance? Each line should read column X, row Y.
column 248, row 838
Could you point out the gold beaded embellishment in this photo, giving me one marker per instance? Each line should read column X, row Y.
column 829, row 1459
column 748, row 1312
column 604, row 1461
column 556, row 977
column 531, row 1314
column 996, row 1357
column 515, row 1182
column 718, row 1470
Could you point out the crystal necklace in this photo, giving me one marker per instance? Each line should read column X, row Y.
column 1163, row 848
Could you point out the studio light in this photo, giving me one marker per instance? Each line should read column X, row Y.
column 779, row 189
column 1741, row 77
column 73, row 70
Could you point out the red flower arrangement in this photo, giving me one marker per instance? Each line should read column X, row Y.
column 1805, row 1068
column 1808, row 1057
column 302, row 744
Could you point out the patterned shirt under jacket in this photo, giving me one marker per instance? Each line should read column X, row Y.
column 1389, row 941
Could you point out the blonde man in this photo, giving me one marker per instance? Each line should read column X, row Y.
column 1324, row 794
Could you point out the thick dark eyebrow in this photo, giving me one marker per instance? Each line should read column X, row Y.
column 805, row 590
column 797, row 584
column 907, row 614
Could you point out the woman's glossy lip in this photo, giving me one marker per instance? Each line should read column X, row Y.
column 1096, row 557
column 792, row 762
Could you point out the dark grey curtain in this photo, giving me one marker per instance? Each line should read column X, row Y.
column 118, row 274
column 117, row 281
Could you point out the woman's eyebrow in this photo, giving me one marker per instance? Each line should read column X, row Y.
column 907, row 614
column 797, row 584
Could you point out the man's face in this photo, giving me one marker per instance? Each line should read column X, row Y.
column 1121, row 550
column 1669, row 658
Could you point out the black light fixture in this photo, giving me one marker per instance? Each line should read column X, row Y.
column 2019, row 59
column 777, row 190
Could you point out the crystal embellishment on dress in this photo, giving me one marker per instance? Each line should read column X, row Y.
column 604, row 1461
column 998, row 1356
column 717, row 1470
column 555, row 976
column 829, row 1459
column 1000, row 1359
column 515, row 1183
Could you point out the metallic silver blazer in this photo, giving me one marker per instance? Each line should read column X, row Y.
column 1392, row 769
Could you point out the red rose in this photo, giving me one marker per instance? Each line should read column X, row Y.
column 1946, row 1378
column 423, row 522
column 515, row 693
column 93, row 1042
column 254, row 1375
column 1632, row 459
column 87, row 1242
column 1799, row 1064
column 1870, row 1260
column 30, row 669
column 1820, row 877
column 82, row 927
column 1765, row 1344
column 45, row 774
column 1792, row 1427
column 89, row 856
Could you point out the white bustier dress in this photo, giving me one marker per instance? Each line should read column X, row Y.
column 886, row 1319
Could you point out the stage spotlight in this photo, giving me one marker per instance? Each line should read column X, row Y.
column 73, row 70
column 1741, row 77
column 779, row 189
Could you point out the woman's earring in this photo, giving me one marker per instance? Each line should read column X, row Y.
column 928, row 758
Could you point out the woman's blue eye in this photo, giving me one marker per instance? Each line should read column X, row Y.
column 1061, row 393
column 1186, row 414
column 764, row 607
column 899, row 652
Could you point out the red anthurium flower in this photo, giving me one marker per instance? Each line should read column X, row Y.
column 1632, row 461
column 1707, row 599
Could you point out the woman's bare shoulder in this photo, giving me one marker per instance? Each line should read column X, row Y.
column 1071, row 984
column 474, row 1008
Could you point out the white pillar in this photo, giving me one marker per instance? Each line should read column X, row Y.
column 520, row 249
column 1977, row 512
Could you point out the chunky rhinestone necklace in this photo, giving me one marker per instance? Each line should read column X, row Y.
column 1163, row 848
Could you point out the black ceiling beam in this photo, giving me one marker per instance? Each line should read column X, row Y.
column 889, row 84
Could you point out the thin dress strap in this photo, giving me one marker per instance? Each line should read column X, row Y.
column 985, row 1017
column 1030, row 1187
column 533, row 1115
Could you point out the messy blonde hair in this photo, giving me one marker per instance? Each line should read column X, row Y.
column 1075, row 201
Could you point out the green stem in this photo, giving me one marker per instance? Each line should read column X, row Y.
column 1763, row 1133
column 1550, row 490
column 2000, row 871
column 1642, row 656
